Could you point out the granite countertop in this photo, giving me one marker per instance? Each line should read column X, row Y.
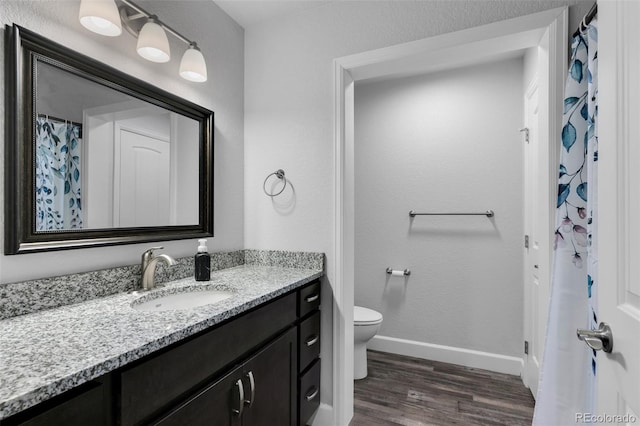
column 46, row 353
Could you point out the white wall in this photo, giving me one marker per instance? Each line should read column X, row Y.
column 185, row 130
column 222, row 42
column 446, row 142
column 97, row 172
column 289, row 107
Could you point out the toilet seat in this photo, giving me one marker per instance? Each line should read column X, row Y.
column 366, row 316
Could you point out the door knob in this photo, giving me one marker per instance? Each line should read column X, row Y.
column 599, row 339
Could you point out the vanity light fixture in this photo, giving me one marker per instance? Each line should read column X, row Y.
column 152, row 44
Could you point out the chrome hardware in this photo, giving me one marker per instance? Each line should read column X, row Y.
column 313, row 340
column 240, row 398
column 252, row 386
column 488, row 213
column 600, row 339
column 148, row 267
column 278, row 174
column 314, row 392
column 312, row 298
column 405, row 272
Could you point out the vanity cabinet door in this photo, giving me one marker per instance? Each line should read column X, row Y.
column 270, row 384
column 218, row 404
column 259, row 392
column 88, row 404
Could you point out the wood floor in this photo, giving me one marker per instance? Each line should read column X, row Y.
column 408, row 391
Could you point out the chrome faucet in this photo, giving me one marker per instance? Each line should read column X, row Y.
column 149, row 262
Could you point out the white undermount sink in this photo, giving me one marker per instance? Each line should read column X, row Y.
column 183, row 299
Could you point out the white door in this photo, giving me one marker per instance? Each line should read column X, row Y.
column 536, row 284
column 144, row 180
column 619, row 209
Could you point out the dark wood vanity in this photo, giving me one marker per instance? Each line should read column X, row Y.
column 259, row 368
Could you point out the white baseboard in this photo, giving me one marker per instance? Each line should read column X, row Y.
column 467, row 357
column 324, row 416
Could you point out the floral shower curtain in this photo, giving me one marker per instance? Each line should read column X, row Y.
column 58, row 193
column 569, row 368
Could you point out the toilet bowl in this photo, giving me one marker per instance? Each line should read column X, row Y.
column 366, row 323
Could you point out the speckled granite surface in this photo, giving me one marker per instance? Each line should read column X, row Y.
column 46, row 353
column 286, row 259
column 33, row 296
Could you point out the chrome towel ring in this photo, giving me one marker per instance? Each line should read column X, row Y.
column 280, row 175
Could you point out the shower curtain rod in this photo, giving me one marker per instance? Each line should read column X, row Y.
column 587, row 19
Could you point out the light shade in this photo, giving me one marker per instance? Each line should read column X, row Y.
column 153, row 44
column 192, row 65
column 100, row 16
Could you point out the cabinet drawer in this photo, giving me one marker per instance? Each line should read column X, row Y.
column 309, row 340
column 308, row 299
column 309, row 393
column 171, row 375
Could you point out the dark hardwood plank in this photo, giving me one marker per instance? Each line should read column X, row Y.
column 410, row 391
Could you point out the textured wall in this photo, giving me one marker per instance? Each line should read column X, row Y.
column 222, row 42
column 446, row 141
column 289, row 107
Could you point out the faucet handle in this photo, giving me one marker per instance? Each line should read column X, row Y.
column 147, row 255
column 150, row 250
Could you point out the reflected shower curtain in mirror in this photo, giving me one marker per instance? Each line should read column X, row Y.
column 58, row 193
column 567, row 383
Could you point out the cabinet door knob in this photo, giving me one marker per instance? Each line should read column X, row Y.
column 312, row 340
column 312, row 394
column 312, row 298
column 252, row 386
column 240, row 387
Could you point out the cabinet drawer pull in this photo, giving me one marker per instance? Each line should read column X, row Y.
column 240, row 387
column 312, row 298
column 252, row 386
column 312, row 340
column 314, row 392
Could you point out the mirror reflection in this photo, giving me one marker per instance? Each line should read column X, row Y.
column 104, row 159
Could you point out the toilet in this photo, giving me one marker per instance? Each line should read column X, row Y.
column 366, row 323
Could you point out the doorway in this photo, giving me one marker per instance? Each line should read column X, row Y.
column 545, row 31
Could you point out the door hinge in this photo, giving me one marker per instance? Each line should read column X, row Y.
column 526, row 133
column 526, row 241
column 526, row 347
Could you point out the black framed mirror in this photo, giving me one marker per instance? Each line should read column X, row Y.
column 95, row 157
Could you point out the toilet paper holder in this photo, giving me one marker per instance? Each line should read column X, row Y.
column 398, row 272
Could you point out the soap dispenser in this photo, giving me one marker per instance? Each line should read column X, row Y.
column 203, row 262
